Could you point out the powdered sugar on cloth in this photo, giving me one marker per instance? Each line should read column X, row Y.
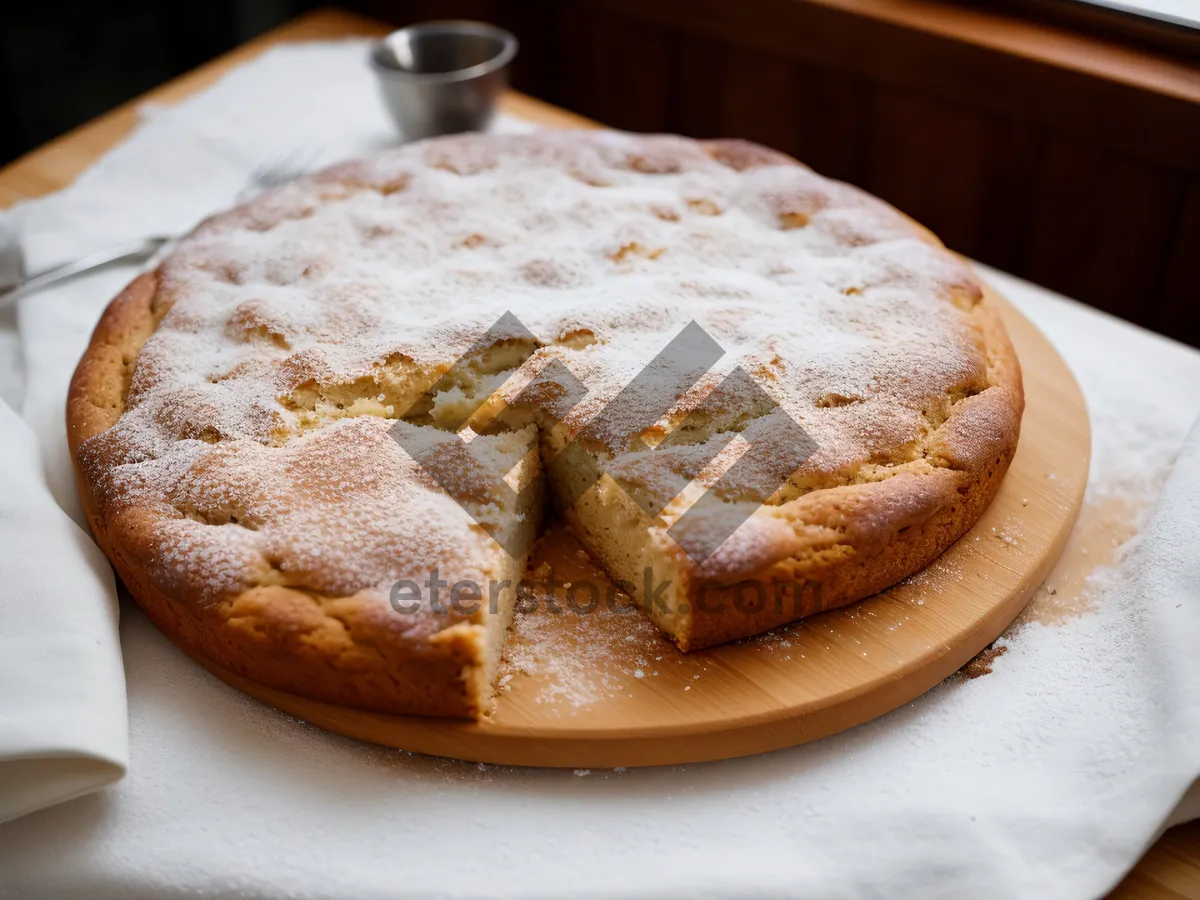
column 1048, row 777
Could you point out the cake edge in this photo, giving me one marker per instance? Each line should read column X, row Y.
column 454, row 677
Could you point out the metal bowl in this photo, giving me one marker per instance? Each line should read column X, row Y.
column 443, row 77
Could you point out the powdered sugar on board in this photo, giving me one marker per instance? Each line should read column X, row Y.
column 572, row 655
column 576, row 640
column 1136, row 436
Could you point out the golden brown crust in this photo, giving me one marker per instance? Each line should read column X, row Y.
column 347, row 650
column 353, row 650
column 883, row 531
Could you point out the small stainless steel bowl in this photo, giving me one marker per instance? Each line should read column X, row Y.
column 443, row 77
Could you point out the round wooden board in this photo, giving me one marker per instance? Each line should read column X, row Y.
column 604, row 690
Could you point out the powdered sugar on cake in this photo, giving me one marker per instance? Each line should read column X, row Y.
column 296, row 326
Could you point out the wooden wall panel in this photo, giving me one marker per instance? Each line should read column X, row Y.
column 1064, row 229
column 930, row 160
column 702, row 65
column 578, row 85
column 1140, row 213
column 831, row 108
column 817, row 116
column 1143, row 107
column 535, row 22
column 1102, row 228
column 1179, row 312
column 1015, row 152
column 409, row 11
column 624, row 69
column 759, row 101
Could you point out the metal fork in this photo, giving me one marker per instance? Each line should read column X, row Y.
column 270, row 174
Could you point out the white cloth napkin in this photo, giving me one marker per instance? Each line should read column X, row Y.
column 62, row 687
column 1047, row 778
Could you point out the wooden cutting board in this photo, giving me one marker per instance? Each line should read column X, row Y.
column 604, row 689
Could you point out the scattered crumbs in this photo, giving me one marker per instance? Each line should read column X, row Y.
column 575, row 660
column 638, row 673
column 620, row 770
column 933, row 577
column 582, row 772
column 687, row 687
column 982, row 664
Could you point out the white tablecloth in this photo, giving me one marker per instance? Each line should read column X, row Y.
column 1046, row 778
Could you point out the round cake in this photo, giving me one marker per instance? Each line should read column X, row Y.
column 318, row 440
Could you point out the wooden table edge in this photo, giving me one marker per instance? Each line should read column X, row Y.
column 1171, row 868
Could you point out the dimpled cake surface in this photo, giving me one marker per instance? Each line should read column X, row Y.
column 382, row 373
